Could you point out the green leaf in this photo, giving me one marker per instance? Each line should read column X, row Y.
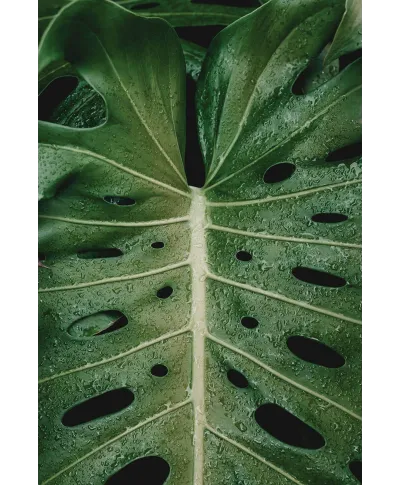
column 348, row 36
column 238, row 359
column 179, row 13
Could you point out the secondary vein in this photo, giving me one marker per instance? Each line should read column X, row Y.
column 117, row 165
column 116, row 224
column 115, row 278
column 251, row 453
column 283, row 298
column 282, row 238
column 142, row 346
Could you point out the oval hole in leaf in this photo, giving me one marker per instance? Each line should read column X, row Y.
column 157, row 245
column 117, row 200
column 144, row 6
column 165, row 292
column 159, row 370
column 287, row 428
column 319, row 278
column 243, row 256
column 149, row 470
column 54, row 94
column 279, row 172
column 97, row 407
column 315, row 352
column 329, row 217
column 356, row 469
column 99, row 253
column 237, row 378
column 98, row 324
column 345, row 153
column 249, row 322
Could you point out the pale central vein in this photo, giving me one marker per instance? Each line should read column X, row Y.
column 117, row 165
column 199, row 271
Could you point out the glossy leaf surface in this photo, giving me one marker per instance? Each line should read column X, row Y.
column 202, row 279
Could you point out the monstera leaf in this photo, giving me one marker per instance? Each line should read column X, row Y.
column 206, row 336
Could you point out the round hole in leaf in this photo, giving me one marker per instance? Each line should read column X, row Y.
column 149, row 470
column 249, row 322
column 157, row 245
column 159, row 370
column 356, row 469
column 165, row 292
column 286, row 427
column 110, row 402
column 237, row 378
column 279, row 172
column 315, row 352
column 116, row 200
column 319, row 278
column 243, row 256
column 329, row 217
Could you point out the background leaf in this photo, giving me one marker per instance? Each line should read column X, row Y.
column 239, row 357
column 179, row 13
column 348, row 35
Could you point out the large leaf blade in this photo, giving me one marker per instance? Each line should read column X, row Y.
column 196, row 412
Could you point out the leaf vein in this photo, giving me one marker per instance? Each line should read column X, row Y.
column 142, row 346
column 302, row 193
column 283, row 298
column 283, row 238
column 115, row 279
column 117, row 165
column 287, row 139
column 251, row 453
